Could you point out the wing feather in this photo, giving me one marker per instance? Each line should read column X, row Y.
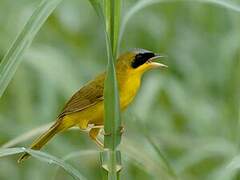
column 87, row 96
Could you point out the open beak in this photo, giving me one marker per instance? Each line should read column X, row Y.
column 154, row 64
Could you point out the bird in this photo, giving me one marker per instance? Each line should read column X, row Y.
column 86, row 107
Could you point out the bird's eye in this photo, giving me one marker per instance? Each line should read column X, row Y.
column 141, row 58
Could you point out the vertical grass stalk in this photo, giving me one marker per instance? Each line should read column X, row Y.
column 111, row 157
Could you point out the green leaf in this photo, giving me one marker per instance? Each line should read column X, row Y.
column 13, row 57
column 44, row 157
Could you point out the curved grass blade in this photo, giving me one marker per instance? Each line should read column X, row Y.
column 75, row 155
column 44, row 157
column 13, row 57
column 143, row 4
column 10, row 151
column 28, row 135
column 53, row 160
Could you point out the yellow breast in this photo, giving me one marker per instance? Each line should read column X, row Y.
column 128, row 90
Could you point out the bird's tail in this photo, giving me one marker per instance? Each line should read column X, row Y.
column 44, row 138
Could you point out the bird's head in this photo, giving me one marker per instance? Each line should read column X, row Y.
column 138, row 61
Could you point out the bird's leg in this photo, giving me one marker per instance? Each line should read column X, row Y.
column 93, row 133
column 92, row 126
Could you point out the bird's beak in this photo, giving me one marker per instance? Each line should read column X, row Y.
column 155, row 64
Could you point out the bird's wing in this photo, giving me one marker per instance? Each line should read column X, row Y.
column 87, row 96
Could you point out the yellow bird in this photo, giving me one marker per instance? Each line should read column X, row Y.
column 86, row 107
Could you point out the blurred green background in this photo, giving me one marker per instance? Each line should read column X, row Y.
column 190, row 111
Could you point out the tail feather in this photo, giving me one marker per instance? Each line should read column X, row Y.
column 43, row 139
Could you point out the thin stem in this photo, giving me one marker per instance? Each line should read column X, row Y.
column 110, row 158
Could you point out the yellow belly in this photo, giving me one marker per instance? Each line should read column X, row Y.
column 95, row 113
column 91, row 115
